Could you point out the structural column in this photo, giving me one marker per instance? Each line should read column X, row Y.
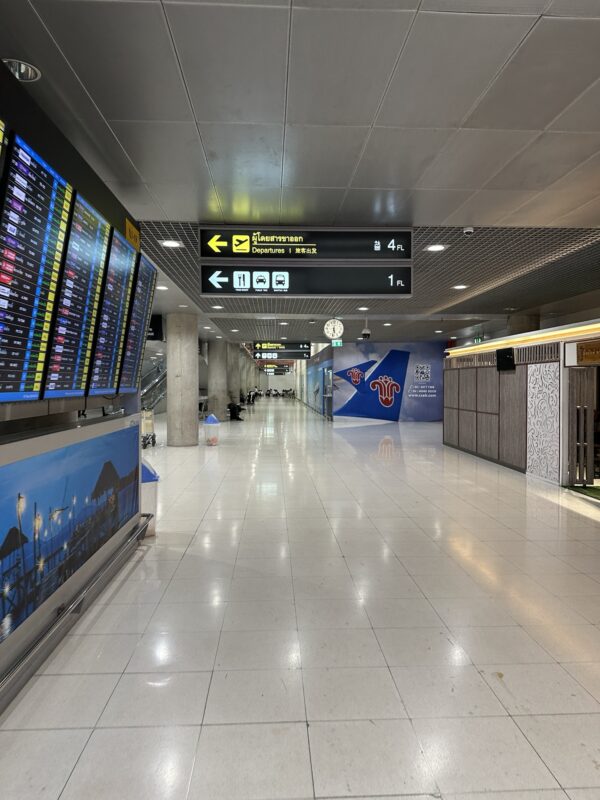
column 182, row 394
column 233, row 371
column 217, row 378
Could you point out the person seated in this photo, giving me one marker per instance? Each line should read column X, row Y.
column 234, row 410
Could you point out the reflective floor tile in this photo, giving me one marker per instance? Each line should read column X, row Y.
column 265, row 587
column 345, row 694
column 179, row 651
column 115, row 619
column 257, row 615
column 27, row 778
column 195, row 591
column 259, row 567
column 156, row 700
column 134, row 592
column 569, row 745
column 501, row 646
column 406, row 647
column 340, row 648
column 134, row 763
column 334, row 613
column 318, row 567
column 59, row 701
column 568, row 642
column 255, row 696
column 452, row 691
column 366, row 758
column 402, row 613
column 588, row 675
column 270, row 649
column 538, row 689
column 478, row 755
column 485, row 613
column 328, row 587
column 91, row 654
column 181, row 617
column 271, row 761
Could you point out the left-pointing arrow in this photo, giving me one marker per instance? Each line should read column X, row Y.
column 217, row 279
column 216, row 243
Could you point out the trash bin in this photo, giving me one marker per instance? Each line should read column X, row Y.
column 211, row 430
column 149, row 495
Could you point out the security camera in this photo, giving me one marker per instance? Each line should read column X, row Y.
column 469, row 231
column 365, row 333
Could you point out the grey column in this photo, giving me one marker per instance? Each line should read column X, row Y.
column 233, row 371
column 523, row 323
column 217, row 378
column 182, row 392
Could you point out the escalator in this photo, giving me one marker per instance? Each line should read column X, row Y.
column 153, row 389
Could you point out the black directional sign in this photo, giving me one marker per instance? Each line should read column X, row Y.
column 307, row 281
column 276, row 244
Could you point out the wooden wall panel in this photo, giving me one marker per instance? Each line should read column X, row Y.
column 513, row 418
column 467, row 430
column 487, row 389
column 467, row 389
column 451, row 426
column 451, row 388
column 487, row 435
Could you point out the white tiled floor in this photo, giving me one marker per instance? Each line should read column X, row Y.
column 350, row 612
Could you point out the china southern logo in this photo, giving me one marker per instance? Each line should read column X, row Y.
column 356, row 375
column 387, row 388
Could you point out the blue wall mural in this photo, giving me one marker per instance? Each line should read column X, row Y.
column 392, row 382
column 56, row 510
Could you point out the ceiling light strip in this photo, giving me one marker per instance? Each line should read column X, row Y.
column 524, row 339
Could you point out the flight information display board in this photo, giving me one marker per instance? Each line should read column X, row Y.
column 138, row 326
column 33, row 228
column 110, row 338
column 78, row 302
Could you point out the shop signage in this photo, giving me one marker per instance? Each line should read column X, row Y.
column 588, row 353
column 308, row 281
column 283, row 245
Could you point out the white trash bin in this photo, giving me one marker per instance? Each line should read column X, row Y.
column 149, row 499
column 211, row 430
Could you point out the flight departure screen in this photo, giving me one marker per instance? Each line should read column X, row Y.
column 138, row 326
column 78, row 303
column 33, row 227
column 110, row 339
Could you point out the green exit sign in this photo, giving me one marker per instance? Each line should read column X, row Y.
column 336, row 342
column 477, row 339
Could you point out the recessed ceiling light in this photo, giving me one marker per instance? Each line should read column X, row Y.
column 159, row 354
column 453, row 338
column 284, row 337
column 438, row 331
column 182, row 305
column 162, row 288
column 387, row 324
column 359, row 338
column 24, row 72
column 510, row 308
column 460, row 286
column 284, row 323
column 235, row 330
column 171, row 243
column 362, row 308
column 435, row 248
column 218, row 337
column 206, row 327
column 216, row 306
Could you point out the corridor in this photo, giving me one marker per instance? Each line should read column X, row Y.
column 329, row 612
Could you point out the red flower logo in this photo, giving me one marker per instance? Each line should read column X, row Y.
column 355, row 375
column 387, row 388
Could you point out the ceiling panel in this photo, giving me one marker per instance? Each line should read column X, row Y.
column 585, row 215
column 378, row 5
column 375, row 207
column 488, row 207
column 137, row 199
column 547, row 205
column 575, row 8
column 583, row 114
column 432, row 208
column 187, row 201
column 300, row 206
column 396, row 157
column 123, row 54
column 145, row 144
column 557, row 61
column 486, row 6
column 448, row 61
column 234, row 60
column 340, row 62
column 321, row 155
column 246, row 204
column 247, row 155
column 546, row 160
column 472, row 157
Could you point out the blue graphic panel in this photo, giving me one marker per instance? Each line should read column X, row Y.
column 56, row 510
column 355, row 375
column 382, row 398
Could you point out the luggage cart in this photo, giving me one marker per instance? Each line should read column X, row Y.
column 148, row 435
